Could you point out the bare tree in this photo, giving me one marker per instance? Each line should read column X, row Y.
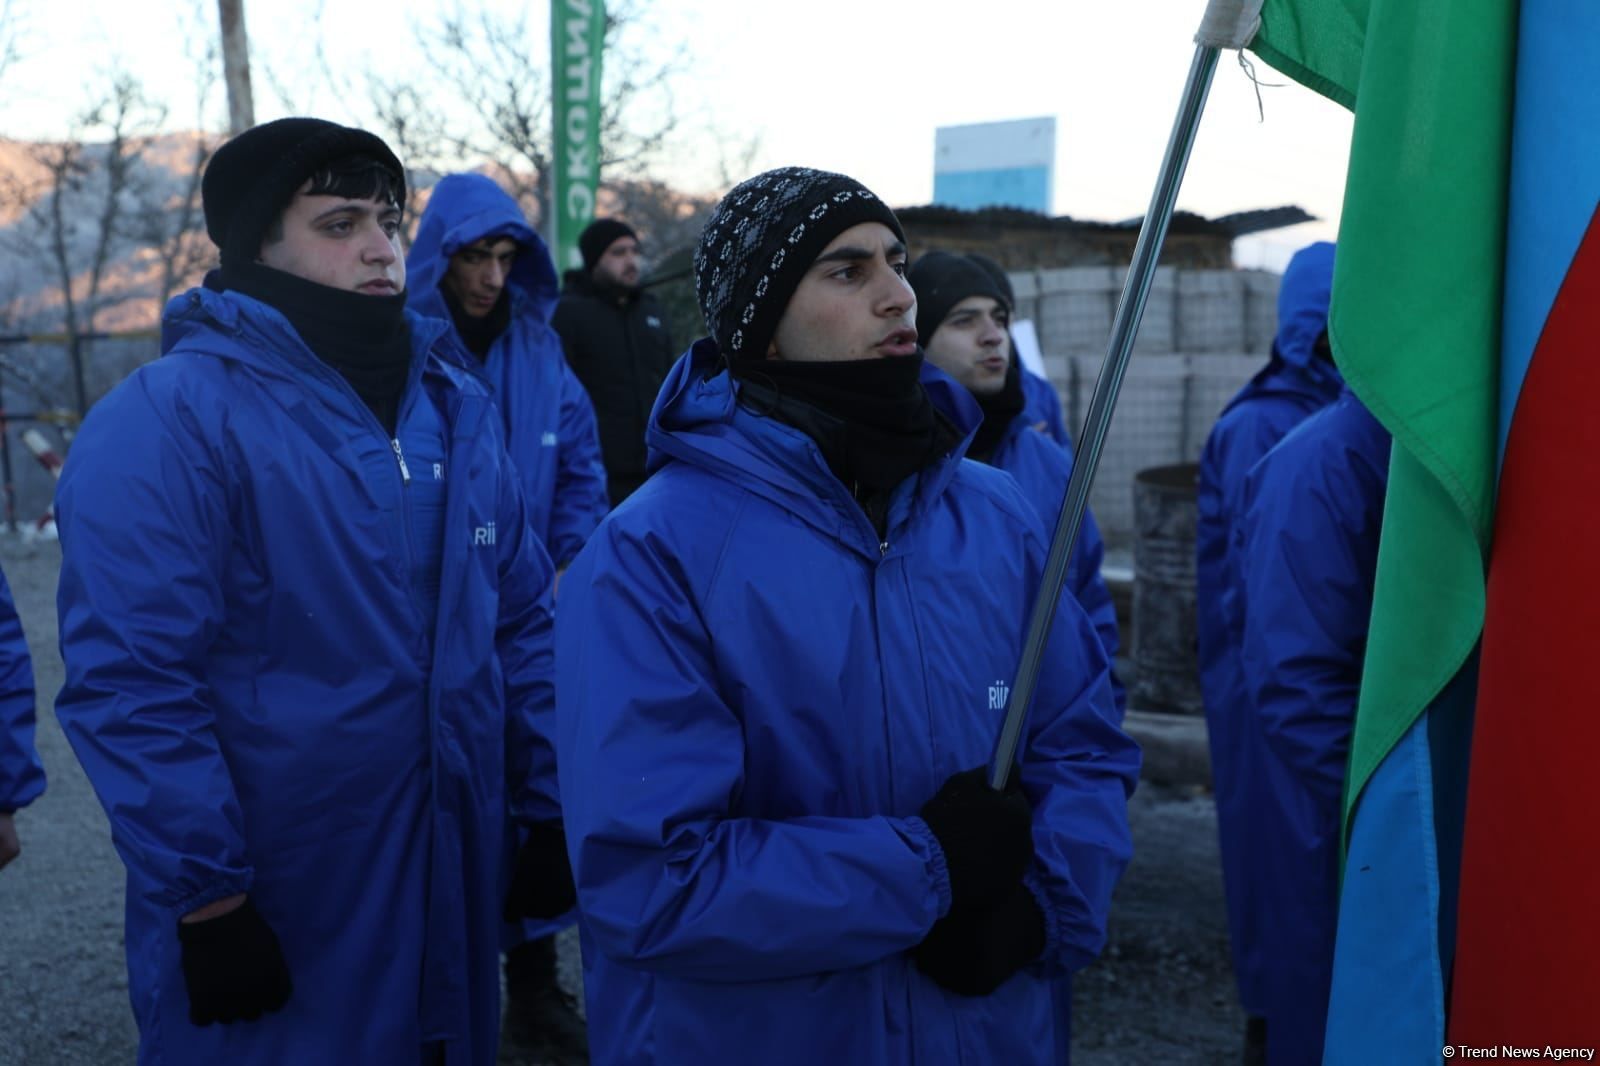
column 494, row 70
column 75, row 222
column 169, row 221
column 11, row 32
column 236, row 65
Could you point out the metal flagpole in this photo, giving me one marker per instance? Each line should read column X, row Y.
column 1135, row 291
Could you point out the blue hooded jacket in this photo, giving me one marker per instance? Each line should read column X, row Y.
column 1291, row 386
column 21, row 772
column 548, row 420
column 756, row 694
column 1314, row 510
column 1042, row 408
column 1043, row 467
column 311, row 663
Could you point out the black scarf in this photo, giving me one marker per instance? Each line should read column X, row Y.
column 999, row 410
column 871, row 418
column 479, row 334
column 365, row 338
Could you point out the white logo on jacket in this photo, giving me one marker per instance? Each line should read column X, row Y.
column 549, row 440
column 999, row 692
column 483, row 536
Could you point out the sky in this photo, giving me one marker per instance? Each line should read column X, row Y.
column 852, row 85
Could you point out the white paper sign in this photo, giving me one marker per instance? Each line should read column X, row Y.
column 1026, row 340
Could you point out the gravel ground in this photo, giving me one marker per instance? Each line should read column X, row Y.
column 1163, row 992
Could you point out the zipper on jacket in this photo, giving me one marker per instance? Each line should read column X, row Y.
column 400, row 457
column 883, row 548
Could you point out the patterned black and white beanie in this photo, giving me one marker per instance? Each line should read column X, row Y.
column 760, row 241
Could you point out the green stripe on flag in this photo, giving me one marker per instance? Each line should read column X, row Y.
column 1415, row 320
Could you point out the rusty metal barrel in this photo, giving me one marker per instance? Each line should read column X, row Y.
column 1166, row 671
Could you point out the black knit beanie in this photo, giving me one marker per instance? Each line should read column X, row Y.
column 252, row 178
column 599, row 235
column 942, row 280
column 998, row 273
column 760, row 241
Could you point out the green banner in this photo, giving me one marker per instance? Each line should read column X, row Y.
column 577, row 35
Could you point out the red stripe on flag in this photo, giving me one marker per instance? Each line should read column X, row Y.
column 1527, row 965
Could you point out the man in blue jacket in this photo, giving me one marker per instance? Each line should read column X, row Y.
column 782, row 665
column 306, row 632
column 21, row 772
column 1299, row 379
column 1041, row 402
column 478, row 264
column 1313, row 510
column 963, row 320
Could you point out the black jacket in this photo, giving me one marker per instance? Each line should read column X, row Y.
column 618, row 346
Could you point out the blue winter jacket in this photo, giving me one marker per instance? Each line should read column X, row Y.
column 1042, row 408
column 1313, row 512
column 21, row 772
column 757, row 693
column 264, row 702
column 1042, row 467
column 546, row 415
column 1291, row 386
column 547, row 418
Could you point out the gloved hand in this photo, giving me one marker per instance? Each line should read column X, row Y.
column 972, row 952
column 233, row 967
column 986, row 836
column 541, row 882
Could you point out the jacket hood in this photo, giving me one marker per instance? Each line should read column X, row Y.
column 1303, row 303
column 464, row 208
column 697, row 418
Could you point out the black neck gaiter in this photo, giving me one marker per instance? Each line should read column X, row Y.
column 871, row 418
column 365, row 338
column 479, row 334
column 999, row 409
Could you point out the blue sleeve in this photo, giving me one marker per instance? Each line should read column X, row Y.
column 580, row 499
column 1094, row 596
column 524, row 642
column 652, row 762
column 1078, row 768
column 21, row 772
column 1307, row 571
column 1044, row 406
column 143, row 512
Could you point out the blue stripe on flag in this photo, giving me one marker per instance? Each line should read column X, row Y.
column 1396, row 912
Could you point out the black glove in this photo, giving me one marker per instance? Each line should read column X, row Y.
column 986, row 836
column 972, row 952
column 541, row 883
column 233, row 967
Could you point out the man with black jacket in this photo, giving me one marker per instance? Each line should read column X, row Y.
column 615, row 337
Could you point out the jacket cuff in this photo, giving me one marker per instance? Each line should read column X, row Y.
column 938, row 868
column 1052, row 925
column 231, row 885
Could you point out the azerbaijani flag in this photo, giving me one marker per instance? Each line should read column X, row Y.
column 1527, row 967
column 1415, row 326
column 1474, row 120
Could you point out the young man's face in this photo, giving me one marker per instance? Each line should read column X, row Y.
column 853, row 303
column 618, row 266
column 352, row 245
column 478, row 272
column 973, row 344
